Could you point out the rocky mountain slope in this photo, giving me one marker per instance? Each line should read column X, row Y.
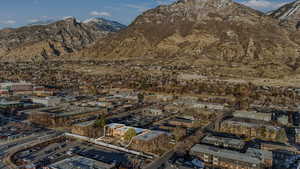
column 51, row 41
column 209, row 33
column 289, row 15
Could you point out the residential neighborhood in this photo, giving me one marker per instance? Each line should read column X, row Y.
column 150, row 84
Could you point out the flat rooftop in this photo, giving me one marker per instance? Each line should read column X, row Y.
column 252, row 156
column 181, row 120
column 67, row 110
column 79, row 162
column 115, row 125
column 235, row 143
column 15, row 83
column 150, row 135
column 86, row 123
column 253, row 115
column 250, row 123
column 126, row 128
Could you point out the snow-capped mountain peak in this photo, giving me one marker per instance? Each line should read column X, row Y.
column 104, row 24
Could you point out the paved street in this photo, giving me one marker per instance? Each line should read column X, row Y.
column 28, row 141
column 162, row 160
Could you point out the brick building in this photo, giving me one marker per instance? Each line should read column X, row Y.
column 253, row 129
column 182, row 122
column 151, row 141
column 63, row 115
column 119, row 130
column 87, row 129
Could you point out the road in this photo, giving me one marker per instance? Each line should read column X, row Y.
column 5, row 149
column 181, row 146
column 163, row 159
column 9, row 119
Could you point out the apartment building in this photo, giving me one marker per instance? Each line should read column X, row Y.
column 223, row 158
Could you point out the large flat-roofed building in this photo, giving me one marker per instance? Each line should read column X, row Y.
column 153, row 112
column 253, row 115
column 223, row 158
column 178, row 121
column 151, row 141
column 50, row 101
column 253, row 128
column 119, row 130
column 79, row 162
column 42, row 91
column 17, row 88
column 224, row 142
column 87, row 129
column 63, row 115
column 212, row 106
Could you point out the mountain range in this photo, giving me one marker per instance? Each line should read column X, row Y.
column 221, row 35
column 289, row 14
column 53, row 39
column 208, row 33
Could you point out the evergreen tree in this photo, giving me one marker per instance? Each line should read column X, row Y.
column 100, row 122
column 130, row 134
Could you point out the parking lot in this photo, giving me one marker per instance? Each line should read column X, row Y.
column 51, row 152
column 15, row 130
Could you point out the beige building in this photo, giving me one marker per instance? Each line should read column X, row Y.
column 119, row 130
column 227, row 159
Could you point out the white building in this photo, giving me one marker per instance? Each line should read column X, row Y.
column 51, row 101
column 20, row 86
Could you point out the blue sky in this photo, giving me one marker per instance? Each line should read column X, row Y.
column 15, row 13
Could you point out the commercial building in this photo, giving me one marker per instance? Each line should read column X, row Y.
column 153, row 112
column 253, row 115
column 20, row 88
column 80, row 162
column 151, row 141
column 210, row 106
column 42, row 91
column 145, row 140
column 119, row 130
column 63, row 115
column 24, row 88
column 223, row 158
column 224, row 142
column 183, row 122
column 49, row 101
column 253, row 129
column 87, row 129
